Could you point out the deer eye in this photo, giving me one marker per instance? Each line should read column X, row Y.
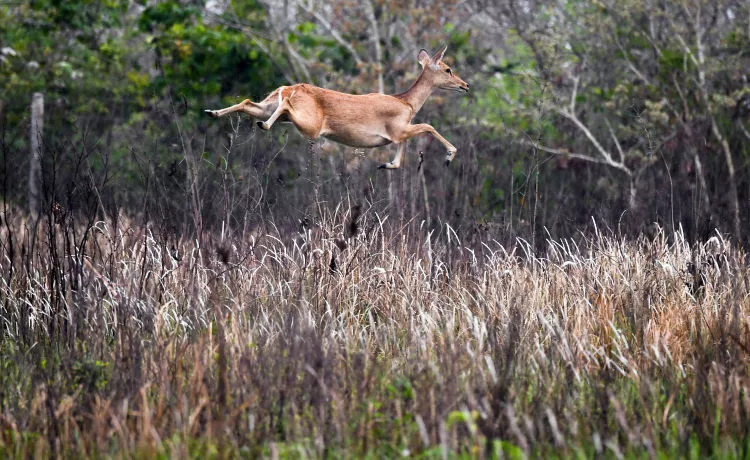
column 449, row 71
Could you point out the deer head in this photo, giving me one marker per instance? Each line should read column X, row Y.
column 439, row 73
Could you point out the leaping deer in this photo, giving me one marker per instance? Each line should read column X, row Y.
column 368, row 120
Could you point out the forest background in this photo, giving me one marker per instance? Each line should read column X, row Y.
column 628, row 113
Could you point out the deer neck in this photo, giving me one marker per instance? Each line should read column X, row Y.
column 418, row 93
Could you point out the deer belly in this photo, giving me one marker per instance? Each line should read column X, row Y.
column 358, row 139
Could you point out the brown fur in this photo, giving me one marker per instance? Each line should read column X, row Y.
column 368, row 120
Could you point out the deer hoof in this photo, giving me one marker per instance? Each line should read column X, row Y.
column 450, row 157
column 388, row 165
column 263, row 125
column 211, row 113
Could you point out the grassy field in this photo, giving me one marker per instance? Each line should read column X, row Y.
column 352, row 339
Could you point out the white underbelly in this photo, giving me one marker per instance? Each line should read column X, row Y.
column 366, row 141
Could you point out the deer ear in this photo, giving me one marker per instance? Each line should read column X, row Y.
column 439, row 55
column 423, row 58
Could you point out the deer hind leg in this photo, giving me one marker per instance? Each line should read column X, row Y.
column 247, row 106
column 413, row 130
column 395, row 163
column 283, row 107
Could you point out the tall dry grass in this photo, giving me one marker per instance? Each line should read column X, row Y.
column 353, row 337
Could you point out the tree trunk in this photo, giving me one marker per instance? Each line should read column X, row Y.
column 732, row 182
column 633, row 194
column 370, row 11
column 35, row 165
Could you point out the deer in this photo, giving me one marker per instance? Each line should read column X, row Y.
column 360, row 121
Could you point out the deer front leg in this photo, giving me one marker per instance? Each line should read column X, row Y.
column 413, row 130
column 395, row 163
column 247, row 106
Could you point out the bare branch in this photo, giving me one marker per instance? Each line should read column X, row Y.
column 630, row 63
column 686, row 47
column 598, row 146
column 651, row 36
column 574, row 94
column 681, row 93
column 332, row 30
column 301, row 65
column 562, row 152
column 617, row 142
column 742, row 128
column 370, row 10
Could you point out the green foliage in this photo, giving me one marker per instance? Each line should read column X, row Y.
column 68, row 44
column 505, row 449
column 513, row 96
column 198, row 61
column 91, row 375
column 165, row 15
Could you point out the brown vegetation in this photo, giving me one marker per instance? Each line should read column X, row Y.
column 122, row 339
